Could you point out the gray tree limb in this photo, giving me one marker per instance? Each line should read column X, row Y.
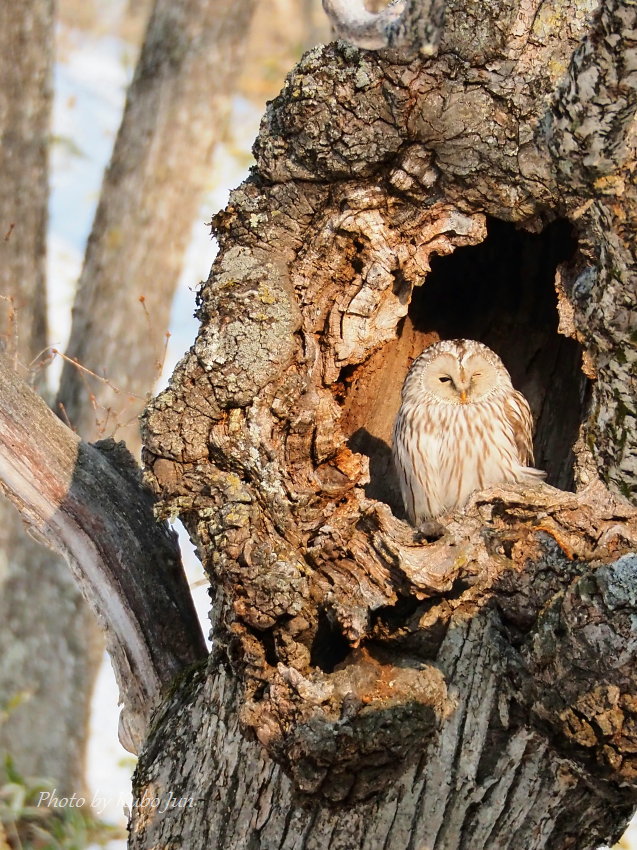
column 90, row 505
column 507, row 659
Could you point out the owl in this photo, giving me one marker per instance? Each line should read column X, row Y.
column 461, row 427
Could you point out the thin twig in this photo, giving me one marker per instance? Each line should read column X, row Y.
column 88, row 371
column 65, row 416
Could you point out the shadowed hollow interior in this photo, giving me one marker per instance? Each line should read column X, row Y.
column 501, row 292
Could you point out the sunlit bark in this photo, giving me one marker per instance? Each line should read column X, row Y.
column 393, row 691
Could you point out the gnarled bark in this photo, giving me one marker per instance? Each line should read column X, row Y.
column 448, row 693
column 490, row 777
column 334, row 615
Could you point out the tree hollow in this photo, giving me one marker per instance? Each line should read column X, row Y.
column 501, row 292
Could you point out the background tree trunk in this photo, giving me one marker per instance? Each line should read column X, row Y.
column 475, row 690
column 190, row 59
column 150, row 197
column 45, row 662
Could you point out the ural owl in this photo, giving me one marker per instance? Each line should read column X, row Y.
column 461, row 427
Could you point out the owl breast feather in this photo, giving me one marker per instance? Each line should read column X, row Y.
column 445, row 452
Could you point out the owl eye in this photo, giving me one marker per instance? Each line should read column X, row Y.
column 444, row 380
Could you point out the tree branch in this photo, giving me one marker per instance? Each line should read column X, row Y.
column 89, row 503
column 587, row 129
column 403, row 24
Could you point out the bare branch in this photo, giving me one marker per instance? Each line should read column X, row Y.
column 402, row 24
column 587, row 129
column 88, row 503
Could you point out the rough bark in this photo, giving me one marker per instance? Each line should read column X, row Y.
column 371, row 687
column 175, row 113
column 42, row 622
column 476, row 690
column 89, row 503
column 487, row 779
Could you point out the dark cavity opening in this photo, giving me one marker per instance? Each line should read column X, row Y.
column 329, row 647
column 500, row 292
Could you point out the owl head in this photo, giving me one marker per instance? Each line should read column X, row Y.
column 458, row 371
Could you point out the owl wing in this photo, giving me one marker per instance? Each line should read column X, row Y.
column 518, row 414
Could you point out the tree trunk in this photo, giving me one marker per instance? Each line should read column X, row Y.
column 43, row 625
column 486, row 779
column 150, row 197
column 371, row 688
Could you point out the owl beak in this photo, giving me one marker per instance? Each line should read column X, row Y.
column 463, row 396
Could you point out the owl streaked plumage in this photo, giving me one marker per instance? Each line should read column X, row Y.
column 461, row 427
